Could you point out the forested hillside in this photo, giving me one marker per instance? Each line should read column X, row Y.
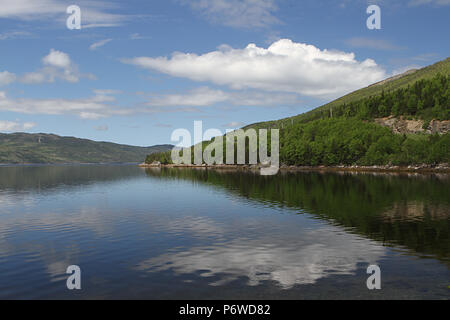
column 344, row 132
column 422, row 78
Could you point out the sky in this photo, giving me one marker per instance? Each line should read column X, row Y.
column 137, row 70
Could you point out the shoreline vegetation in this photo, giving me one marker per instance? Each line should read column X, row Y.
column 422, row 168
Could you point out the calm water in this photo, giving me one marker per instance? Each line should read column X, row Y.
column 197, row 234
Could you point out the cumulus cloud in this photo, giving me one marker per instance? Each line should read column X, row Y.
column 57, row 59
column 13, row 126
column 95, row 107
column 94, row 13
column 237, row 13
column 99, row 44
column 285, row 66
column 6, row 78
column 57, row 65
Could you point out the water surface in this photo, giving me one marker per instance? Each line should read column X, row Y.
column 205, row 234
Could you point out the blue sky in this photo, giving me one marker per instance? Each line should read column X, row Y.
column 138, row 70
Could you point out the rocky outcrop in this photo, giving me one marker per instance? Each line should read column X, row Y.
column 439, row 126
column 402, row 125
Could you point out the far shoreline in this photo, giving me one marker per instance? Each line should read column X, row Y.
column 68, row 164
column 423, row 168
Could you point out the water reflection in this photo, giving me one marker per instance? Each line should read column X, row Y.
column 44, row 178
column 294, row 259
column 172, row 233
column 407, row 210
column 416, row 211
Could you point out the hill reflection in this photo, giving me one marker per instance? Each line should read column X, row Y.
column 407, row 210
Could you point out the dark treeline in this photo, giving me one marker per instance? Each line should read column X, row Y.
column 346, row 134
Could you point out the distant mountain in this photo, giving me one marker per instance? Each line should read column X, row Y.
column 24, row 148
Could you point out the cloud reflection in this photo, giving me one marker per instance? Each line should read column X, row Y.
column 310, row 256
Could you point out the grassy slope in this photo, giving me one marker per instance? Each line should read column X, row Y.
column 25, row 148
column 442, row 67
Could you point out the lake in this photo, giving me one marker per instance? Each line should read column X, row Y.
column 206, row 234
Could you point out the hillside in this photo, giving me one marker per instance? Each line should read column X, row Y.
column 19, row 148
column 389, row 85
column 403, row 120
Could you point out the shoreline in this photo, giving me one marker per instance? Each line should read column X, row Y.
column 442, row 168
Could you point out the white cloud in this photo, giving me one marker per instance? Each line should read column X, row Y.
column 94, row 107
column 12, row 126
column 99, row 44
column 285, row 66
column 57, row 59
column 57, row 65
column 204, row 96
column 94, row 13
column 237, row 13
column 6, row 78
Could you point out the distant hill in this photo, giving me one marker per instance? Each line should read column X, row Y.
column 389, row 85
column 24, row 148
